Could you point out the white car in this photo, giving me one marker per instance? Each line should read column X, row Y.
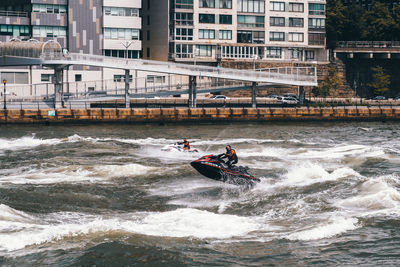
column 216, row 97
column 288, row 100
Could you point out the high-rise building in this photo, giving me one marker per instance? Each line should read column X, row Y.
column 213, row 30
column 98, row 27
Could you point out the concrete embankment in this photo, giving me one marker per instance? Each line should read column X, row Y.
column 140, row 115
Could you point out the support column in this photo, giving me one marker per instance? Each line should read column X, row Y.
column 127, row 99
column 58, row 87
column 301, row 95
column 192, row 91
column 254, row 95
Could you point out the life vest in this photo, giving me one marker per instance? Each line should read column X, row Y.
column 186, row 145
column 232, row 154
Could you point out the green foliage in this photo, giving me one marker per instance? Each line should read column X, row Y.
column 380, row 23
column 380, row 81
column 331, row 82
column 334, row 21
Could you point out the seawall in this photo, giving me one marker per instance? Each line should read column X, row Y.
column 144, row 115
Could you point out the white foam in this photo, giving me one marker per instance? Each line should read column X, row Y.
column 309, row 173
column 25, row 142
column 334, row 227
column 9, row 214
column 189, row 223
column 374, row 196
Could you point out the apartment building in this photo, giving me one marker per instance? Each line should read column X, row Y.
column 214, row 30
column 98, row 27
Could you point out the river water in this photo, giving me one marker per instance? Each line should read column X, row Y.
column 107, row 195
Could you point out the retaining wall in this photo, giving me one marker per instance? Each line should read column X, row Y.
column 29, row 116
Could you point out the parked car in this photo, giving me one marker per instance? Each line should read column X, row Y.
column 273, row 96
column 216, row 97
column 287, row 100
column 379, row 97
column 291, row 95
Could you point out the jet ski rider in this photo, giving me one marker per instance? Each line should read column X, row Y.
column 185, row 143
column 230, row 155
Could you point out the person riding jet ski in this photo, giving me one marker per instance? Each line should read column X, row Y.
column 230, row 155
column 185, row 143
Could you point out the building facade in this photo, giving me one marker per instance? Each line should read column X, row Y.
column 98, row 27
column 214, row 30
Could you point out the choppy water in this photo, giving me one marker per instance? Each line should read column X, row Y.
column 106, row 195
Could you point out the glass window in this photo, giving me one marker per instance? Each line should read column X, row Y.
column 206, row 34
column 251, row 6
column 277, row 6
column 225, row 35
column 185, row 4
column 277, row 21
column 296, row 37
column 250, row 21
column 206, row 18
column 225, row 19
column 296, row 7
column 274, row 52
column 296, row 22
column 207, row 3
column 225, row 3
column 204, row 50
column 277, row 36
column 316, row 9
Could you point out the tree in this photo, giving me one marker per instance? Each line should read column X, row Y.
column 335, row 21
column 353, row 25
column 396, row 18
column 379, row 22
column 330, row 82
column 380, row 81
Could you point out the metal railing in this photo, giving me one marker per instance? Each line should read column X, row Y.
column 19, row 14
column 368, row 44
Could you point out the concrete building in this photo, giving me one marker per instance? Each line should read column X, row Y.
column 99, row 27
column 214, row 30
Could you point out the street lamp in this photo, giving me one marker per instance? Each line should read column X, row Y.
column 127, row 45
column 5, row 82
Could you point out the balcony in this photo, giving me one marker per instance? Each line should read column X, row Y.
column 18, row 14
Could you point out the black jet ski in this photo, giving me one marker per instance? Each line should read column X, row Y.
column 214, row 167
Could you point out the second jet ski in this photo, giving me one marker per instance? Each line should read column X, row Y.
column 212, row 166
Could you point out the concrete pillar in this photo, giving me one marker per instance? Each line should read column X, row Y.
column 254, row 95
column 58, row 87
column 192, row 91
column 301, row 95
column 127, row 99
column 371, row 55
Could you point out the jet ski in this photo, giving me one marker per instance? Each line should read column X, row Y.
column 212, row 166
column 177, row 147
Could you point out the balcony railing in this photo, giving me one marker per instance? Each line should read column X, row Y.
column 14, row 14
column 368, row 44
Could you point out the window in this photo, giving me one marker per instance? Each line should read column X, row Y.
column 296, row 53
column 277, row 6
column 225, row 19
column 250, row 21
column 45, row 77
column 148, row 51
column 50, row 9
column 296, row 22
column 184, row 18
column 184, row 51
column 296, row 37
column 121, row 53
column 316, row 39
column 277, row 36
column 225, row 3
column 184, row 4
column 206, row 34
column 204, row 50
column 206, row 18
column 316, row 9
column 316, row 23
column 277, row 21
column 225, row 35
column 183, row 34
column 207, row 3
column 121, row 78
column 155, row 79
column 274, row 52
column 296, row 7
column 78, row 77
column 257, row 37
column 238, row 52
column 15, row 77
column 49, row 31
column 251, row 6
column 121, row 11
column 14, row 30
column 310, row 55
column 121, row 34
